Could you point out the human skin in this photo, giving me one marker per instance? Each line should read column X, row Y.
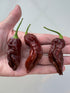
column 7, row 31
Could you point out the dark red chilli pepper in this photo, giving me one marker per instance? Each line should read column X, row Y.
column 35, row 50
column 14, row 50
column 55, row 53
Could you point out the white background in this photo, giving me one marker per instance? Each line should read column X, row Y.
column 52, row 13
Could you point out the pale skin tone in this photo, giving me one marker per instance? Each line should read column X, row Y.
column 6, row 32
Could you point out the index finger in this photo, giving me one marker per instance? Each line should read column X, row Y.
column 47, row 38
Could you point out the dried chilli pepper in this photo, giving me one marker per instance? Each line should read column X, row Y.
column 55, row 53
column 35, row 50
column 14, row 50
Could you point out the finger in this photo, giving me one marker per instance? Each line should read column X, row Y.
column 45, row 60
column 47, row 38
column 67, row 60
column 13, row 18
column 44, row 70
column 46, row 48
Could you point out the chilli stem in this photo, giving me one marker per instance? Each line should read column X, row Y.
column 60, row 36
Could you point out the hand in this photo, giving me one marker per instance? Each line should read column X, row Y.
column 6, row 32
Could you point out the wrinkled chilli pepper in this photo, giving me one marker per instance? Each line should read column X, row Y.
column 14, row 50
column 35, row 50
column 55, row 53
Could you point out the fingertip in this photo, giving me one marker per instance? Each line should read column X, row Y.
column 63, row 68
column 18, row 9
column 15, row 13
column 13, row 18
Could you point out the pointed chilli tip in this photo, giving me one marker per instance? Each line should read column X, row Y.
column 60, row 36
column 27, row 29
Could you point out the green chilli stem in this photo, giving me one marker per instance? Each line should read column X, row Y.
column 27, row 29
column 60, row 36
column 16, row 36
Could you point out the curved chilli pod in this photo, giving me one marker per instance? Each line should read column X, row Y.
column 14, row 50
column 35, row 50
column 55, row 53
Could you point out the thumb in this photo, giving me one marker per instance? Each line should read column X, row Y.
column 12, row 19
